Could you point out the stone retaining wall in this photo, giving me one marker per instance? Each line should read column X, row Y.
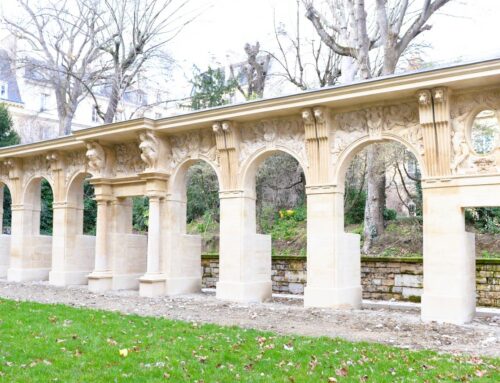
column 382, row 277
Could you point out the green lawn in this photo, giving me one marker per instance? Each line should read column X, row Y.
column 43, row 343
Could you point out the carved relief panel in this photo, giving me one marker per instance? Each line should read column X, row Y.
column 475, row 137
column 274, row 133
column 400, row 119
column 194, row 144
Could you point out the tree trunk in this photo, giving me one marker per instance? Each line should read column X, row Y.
column 112, row 101
column 375, row 197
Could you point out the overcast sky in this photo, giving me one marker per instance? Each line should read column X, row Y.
column 464, row 28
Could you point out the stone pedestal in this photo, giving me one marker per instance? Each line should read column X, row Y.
column 449, row 260
column 100, row 281
column 333, row 256
column 245, row 257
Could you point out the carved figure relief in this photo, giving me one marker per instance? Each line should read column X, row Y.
column 286, row 132
column 96, row 157
column 75, row 163
column 150, row 147
column 400, row 119
column 37, row 166
column 194, row 144
column 128, row 159
column 374, row 121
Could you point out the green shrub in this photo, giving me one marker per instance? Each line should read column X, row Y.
column 390, row 214
column 355, row 202
column 484, row 219
column 46, row 213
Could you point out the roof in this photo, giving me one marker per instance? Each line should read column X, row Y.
column 387, row 89
column 9, row 76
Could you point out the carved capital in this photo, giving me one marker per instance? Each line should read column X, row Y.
column 227, row 144
column 424, row 97
column 307, row 116
column 55, row 160
column 13, row 166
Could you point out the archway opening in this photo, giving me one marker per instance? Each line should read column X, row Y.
column 6, row 209
column 281, row 213
column 37, row 226
column 46, row 212
column 203, row 216
column 383, row 204
column 484, row 222
column 6, row 221
column 79, row 246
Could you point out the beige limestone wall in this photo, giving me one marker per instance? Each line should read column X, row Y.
column 4, row 254
column 382, row 278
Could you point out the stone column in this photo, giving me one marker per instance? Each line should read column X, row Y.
column 333, row 256
column 101, row 278
column 245, row 257
column 63, row 242
column 449, row 258
column 153, row 282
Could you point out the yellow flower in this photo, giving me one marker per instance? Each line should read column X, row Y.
column 290, row 213
column 124, row 352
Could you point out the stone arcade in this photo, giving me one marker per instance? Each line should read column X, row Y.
column 430, row 113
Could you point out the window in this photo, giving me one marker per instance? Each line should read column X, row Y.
column 485, row 132
column 44, row 97
column 158, row 115
column 119, row 115
column 4, row 90
column 95, row 116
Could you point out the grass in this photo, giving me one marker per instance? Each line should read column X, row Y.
column 43, row 343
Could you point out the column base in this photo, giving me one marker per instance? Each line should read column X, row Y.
column 152, row 285
column 100, row 281
column 244, row 292
column 440, row 308
column 177, row 286
column 126, row 281
column 3, row 271
column 24, row 275
column 349, row 297
column 67, row 278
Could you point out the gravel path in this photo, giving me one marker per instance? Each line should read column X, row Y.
column 401, row 328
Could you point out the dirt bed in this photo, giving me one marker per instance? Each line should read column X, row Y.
column 401, row 328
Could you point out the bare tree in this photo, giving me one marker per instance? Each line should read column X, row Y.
column 135, row 33
column 304, row 62
column 250, row 76
column 63, row 49
column 374, row 44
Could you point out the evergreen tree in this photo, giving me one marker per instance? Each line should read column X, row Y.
column 8, row 136
column 210, row 89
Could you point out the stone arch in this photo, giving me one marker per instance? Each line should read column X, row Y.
column 355, row 147
column 177, row 182
column 31, row 198
column 251, row 164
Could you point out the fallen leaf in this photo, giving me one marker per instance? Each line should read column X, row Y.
column 341, row 371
